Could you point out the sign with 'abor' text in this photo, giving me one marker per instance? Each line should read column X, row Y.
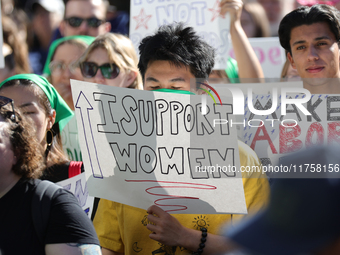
column 295, row 131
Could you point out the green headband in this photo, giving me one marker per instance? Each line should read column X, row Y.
column 84, row 38
column 63, row 112
column 174, row 91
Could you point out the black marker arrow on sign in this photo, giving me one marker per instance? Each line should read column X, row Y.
column 84, row 107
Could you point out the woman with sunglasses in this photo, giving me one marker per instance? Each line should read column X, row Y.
column 38, row 100
column 111, row 60
column 69, row 230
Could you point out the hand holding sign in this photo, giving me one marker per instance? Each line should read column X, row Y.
column 168, row 231
column 234, row 7
column 165, row 228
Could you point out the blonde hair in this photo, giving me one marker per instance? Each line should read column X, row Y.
column 285, row 70
column 120, row 51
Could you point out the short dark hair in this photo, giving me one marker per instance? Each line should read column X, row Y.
column 306, row 16
column 180, row 46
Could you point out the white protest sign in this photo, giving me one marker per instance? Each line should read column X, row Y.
column 69, row 136
column 142, row 148
column 78, row 186
column 270, row 54
column 275, row 136
column 204, row 15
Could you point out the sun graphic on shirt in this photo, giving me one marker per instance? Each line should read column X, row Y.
column 201, row 222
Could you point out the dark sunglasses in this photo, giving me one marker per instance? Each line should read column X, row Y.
column 91, row 22
column 89, row 70
column 4, row 101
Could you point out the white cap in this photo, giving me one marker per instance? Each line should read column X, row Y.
column 49, row 5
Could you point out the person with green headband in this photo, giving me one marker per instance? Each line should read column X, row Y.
column 36, row 98
column 60, row 63
column 246, row 66
column 59, row 68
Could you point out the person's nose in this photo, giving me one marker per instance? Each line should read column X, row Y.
column 67, row 72
column 99, row 78
column 312, row 54
column 83, row 28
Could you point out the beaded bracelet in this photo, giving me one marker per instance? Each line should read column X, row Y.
column 202, row 244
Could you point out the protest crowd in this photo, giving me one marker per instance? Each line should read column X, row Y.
column 98, row 117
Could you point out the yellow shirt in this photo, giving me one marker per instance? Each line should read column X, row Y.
column 122, row 228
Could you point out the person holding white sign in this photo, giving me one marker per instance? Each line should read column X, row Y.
column 248, row 65
column 311, row 37
column 169, row 59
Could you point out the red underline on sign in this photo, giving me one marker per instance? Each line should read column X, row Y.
column 188, row 186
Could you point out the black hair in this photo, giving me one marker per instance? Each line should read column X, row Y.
column 306, row 16
column 180, row 46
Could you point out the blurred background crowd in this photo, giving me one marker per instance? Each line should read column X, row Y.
column 30, row 26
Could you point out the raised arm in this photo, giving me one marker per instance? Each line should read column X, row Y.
column 248, row 64
column 167, row 230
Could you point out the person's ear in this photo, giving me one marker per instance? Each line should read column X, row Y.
column 107, row 26
column 291, row 60
column 51, row 120
column 131, row 77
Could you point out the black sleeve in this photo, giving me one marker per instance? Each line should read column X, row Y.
column 68, row 223
column 56, row 173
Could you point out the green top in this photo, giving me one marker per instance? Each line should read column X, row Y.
column 232, row 70
column 63, row 112
column 84, row 38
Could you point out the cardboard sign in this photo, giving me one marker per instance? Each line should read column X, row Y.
column 142, row 148
column 280, row 135
column 204, row 15
column 69, row 137
column 78, row 186
column 270, row 54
